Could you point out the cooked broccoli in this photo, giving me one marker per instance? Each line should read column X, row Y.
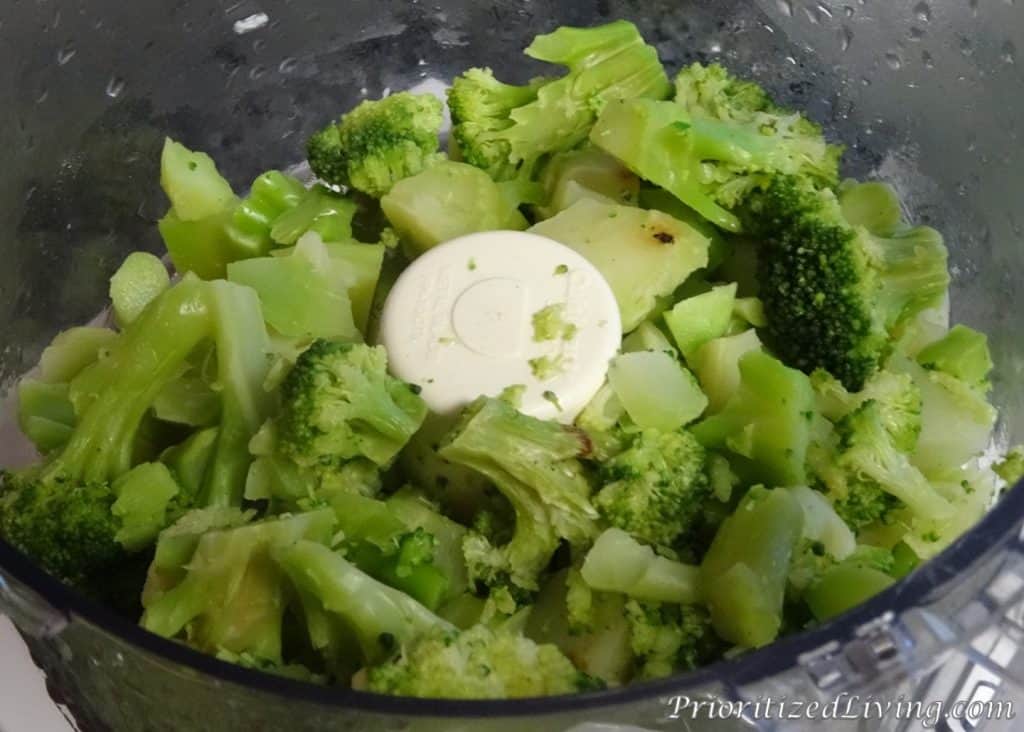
column 378, row 143
column 585, row 173
column 897, row 396
column 479, row 663
column 229, row 594
column 766, row 422
column 656, row 488
column 339, row 403
column 714, row 144
column 963, row 354
column 619, row 563
column 833, row 292
column 678, row 400
column 139, row 279
column 830, row 585
column 533, row 463
column 668, row 638
column 745, row 571
column 504, row 129
column 60, row 512
column 1011, row 467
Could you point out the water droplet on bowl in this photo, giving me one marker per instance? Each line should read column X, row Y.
column 41, row 95
column 66, row 53
column 927, row 60
column 923, row 12
column 893, row 60
column 114, row 87
column 1008, row 52
column 288, row 65
column 915, row 34
column 849, row 11
column 785, row 7
column 966, row 47
column 256, row 72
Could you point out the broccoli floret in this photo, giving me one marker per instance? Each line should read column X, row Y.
column 533, row 464
column 479, row 663
column 378, row 143
column 871, row 459
column 744, row 573
column 670, row 638
column 656, row 488
column 62, row 512
column 381, row 618
column 829, row 585
column 506, row 129
column 767, row 421
column 897, row 396
column 833, row 292
column 229, row 594
column 718, row 141
column 340, row 403
column 1011, row 467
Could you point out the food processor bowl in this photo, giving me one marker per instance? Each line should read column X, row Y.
column 925, row 95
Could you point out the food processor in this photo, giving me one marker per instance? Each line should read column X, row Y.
column 925, row 95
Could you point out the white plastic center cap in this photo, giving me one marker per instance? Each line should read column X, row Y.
column 502, row 308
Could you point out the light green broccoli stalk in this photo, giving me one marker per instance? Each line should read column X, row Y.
column 340, row 403
column 963, row 354
column 656, row 488
column 533, row 464
column 506, row 129
column 479, row 663
column 619, row 563
column 378, row 143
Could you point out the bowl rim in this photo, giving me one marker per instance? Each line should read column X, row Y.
column 998, row 526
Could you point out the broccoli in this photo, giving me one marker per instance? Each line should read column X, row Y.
column 506, row 130
column 139, row 279
column 963, row 354
column 1011, row 467
column 533, row 464
column 479, row 663
column 712, row 147
column 585, row 173
column 339, row 403
column 378, row 143
column 869, row 455
column 744, row 573
column 767, row 421
column 833, row 292
column 381, row 618
column 227, row 594
column 669, row 638
column 830, row 585
column 678, row 400
column 897, row 396
column 60, row 511
column 656, row 488
column 619, row 563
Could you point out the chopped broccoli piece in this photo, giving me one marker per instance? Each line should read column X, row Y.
column 59, row 512
column 72, row 350
column 378, row 143
column 479, row 663
column 767, row 420
column 46, row 415
column 963, row 354
column 340, row 403
column 833, row 292
column 822, row 524
column 670, row 638
column 190, row 179
column 230, row 594
column 533, row 464
column 1011, row 467
column 549, row 324
column 677, row 401
column 843, row 587
column 139, row 279
column 656, row 488
column 701, row 318
column 897, row 396
column 586, row 173
column 717, row 366
column 319, row 210
column 744, row 573
column 503, row 129
column 619, row 563
column 446, row 201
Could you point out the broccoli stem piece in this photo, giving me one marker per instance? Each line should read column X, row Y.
column 139, row 279
column 677, row 401
column 963, row 354
column 619, row 563
column 701, row 318
column 384, row 619
column 743, row 575
column 843, row 587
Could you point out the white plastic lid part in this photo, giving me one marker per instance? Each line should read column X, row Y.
column 460, row 323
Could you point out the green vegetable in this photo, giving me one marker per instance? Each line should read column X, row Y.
column 46, row 415
column 549, row 324
column 655, row 489
column 834, row 292
column 1011, row 467
column 677, row 401
column 446, row 201
column 648, row 337
column 71, row 351
column 533, row 464
column 378, row 143
column 743, row 575
column 190, row 179
column 139, row 279
column 502, row 128
column 586, row 173
column 767, row 420
column 717, row 366
column 844, row 587
column 701, row 318
column 963, row 354
column 642, row 254
column 669, row 638
column 319, row 210
column 619, row 563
